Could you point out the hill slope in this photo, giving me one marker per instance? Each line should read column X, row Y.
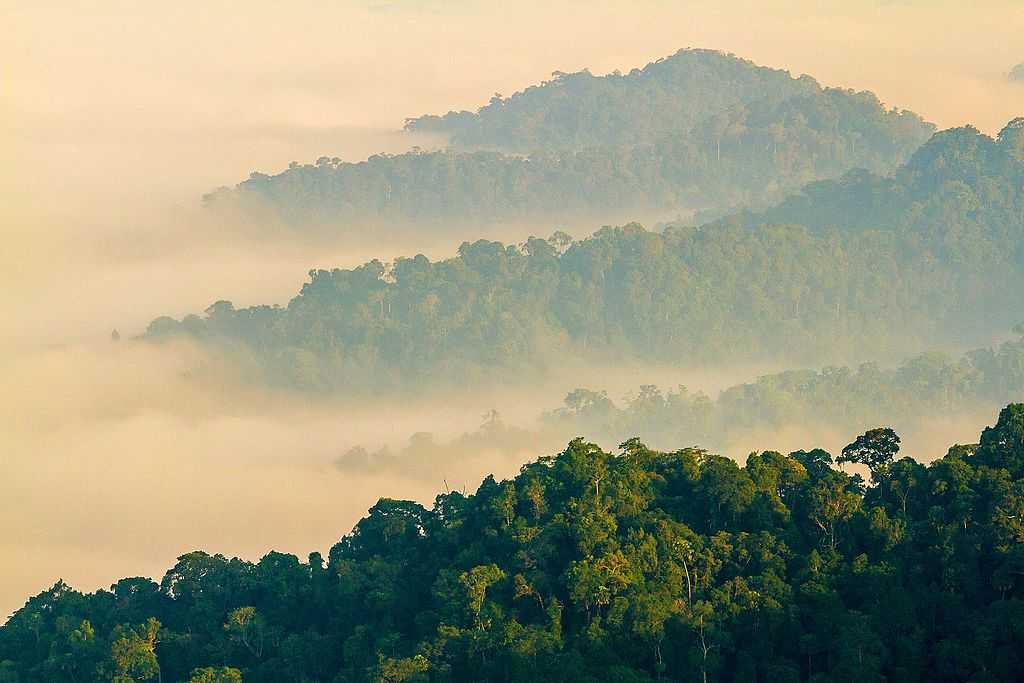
column 591, row 566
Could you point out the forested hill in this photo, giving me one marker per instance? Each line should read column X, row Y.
column 883, row 266
column 592, row 566
column 927, row 387
column 959, row 181
column 699, row 130
column 689, row 92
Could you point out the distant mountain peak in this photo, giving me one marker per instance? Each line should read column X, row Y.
column 578, row 109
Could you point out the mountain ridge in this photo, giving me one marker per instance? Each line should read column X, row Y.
column 693, row 142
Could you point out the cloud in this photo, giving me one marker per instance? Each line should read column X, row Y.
column 117, row 457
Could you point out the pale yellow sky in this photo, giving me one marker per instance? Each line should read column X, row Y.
column 207, row 91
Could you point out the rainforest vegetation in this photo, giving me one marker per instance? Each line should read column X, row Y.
column 635, row 565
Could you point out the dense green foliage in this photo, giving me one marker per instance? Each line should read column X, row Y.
column 928, row 386
column 697, row 130
column 864, row 265
column 591, row 566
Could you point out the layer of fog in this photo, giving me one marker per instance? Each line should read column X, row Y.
column 118, row 457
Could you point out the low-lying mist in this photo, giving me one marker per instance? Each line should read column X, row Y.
column 119, row 456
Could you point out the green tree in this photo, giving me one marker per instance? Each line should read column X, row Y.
column 248, row 628
column 876, row 449
column 1002, row 446
column 476, row 581
column 220, row 674
column 133, row 653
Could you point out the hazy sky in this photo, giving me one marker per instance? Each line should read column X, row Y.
column 116, row 116
column 199, row 93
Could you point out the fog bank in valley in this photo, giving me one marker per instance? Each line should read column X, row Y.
column 119, row 456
